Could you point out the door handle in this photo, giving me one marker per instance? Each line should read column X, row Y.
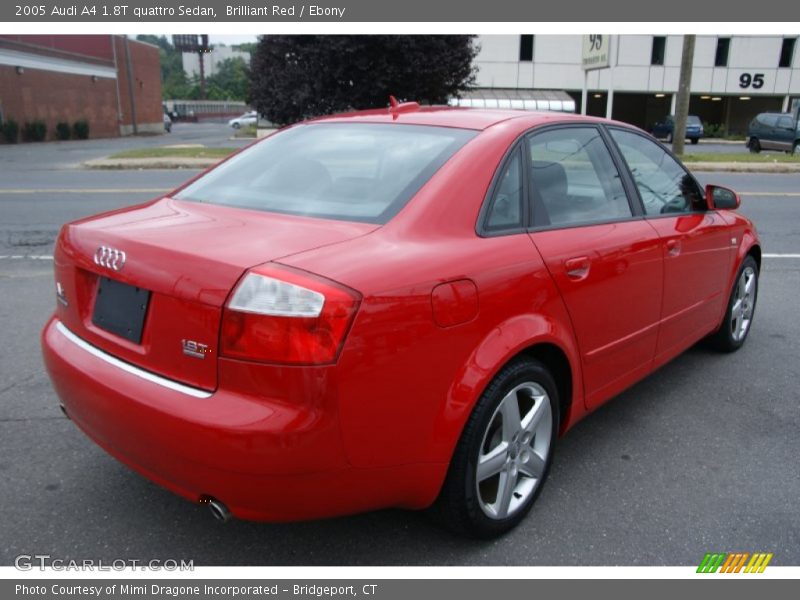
column 673, row 247
column 577, row 268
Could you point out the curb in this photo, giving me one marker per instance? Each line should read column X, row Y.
column 741, row 167
column 204, row 163
column 151, row 163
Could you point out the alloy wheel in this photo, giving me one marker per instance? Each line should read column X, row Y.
column 743, row 304
column 514, row 451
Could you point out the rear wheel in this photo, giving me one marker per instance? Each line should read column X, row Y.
column 796, row 149
column 754, row 145
column 504, row 454
column 669, row 137
column 741, row 308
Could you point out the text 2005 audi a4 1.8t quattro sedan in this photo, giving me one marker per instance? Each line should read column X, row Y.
column 400, row 307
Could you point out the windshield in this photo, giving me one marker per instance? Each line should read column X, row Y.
column 692, row 120
column 349, row 171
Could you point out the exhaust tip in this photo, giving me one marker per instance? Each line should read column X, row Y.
column 218, row 510
column 64, row 410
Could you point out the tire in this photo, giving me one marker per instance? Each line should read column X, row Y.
column 236, row 125
column 694, row 141
column 754, row 145
column 669, row 138
column 739, row 314
column 796, row 149
column 514, row 458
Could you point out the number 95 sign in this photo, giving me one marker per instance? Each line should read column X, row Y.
column 595, row 51
column 751, row 80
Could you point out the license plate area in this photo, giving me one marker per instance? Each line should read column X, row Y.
column 120, row 309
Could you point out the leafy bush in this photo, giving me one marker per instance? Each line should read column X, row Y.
column 34, row 131
column 63, row 131
column 714, row 130
column 80, row 129
column 10, row 131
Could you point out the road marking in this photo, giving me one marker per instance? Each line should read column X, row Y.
column 26, row 256
column 86, row 191
column 779, row 194
column 781, row 255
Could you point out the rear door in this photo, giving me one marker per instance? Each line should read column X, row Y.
column 696, row 242
column 605, row 259
column 784, row 133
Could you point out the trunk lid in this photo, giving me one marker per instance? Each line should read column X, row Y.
column 188, row 256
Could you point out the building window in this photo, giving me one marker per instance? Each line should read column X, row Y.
column 526, row 48
column 723, row 46
column 787, row 51
column 659, row 45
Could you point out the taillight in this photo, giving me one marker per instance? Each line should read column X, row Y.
column 280, row 315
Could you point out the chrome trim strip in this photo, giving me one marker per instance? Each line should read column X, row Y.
column 128, row 368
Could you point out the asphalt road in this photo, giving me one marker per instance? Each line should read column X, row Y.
column 701, row 456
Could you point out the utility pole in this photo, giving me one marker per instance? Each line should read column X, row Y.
column 684, row 90
column 129, row 77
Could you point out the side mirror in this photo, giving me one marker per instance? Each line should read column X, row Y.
column 722, row 198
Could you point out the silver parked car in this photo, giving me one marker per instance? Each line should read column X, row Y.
column 248, row 118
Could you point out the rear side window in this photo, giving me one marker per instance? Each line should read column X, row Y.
column 785, row 122
column 664, row 186
column 349, row 171
column 505, row 211
column 574, row 179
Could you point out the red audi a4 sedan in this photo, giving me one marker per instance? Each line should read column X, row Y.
column 391, row 308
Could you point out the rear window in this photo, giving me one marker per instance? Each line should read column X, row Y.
column 693, row 120
column 349, row 171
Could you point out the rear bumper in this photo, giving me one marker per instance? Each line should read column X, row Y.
column 265, row 458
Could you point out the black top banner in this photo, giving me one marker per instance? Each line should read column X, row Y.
column 143, row 11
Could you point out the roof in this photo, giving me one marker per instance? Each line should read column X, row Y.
column 444, row 116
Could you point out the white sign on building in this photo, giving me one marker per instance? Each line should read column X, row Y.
column 595, row 51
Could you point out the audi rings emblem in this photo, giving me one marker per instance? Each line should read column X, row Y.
column 110, row 258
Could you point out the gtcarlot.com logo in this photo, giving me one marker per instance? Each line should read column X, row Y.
column 734, row 562
column 28, row 562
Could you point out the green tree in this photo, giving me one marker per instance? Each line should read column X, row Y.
column 174, row 83
column 231, row 80
column 294, row 77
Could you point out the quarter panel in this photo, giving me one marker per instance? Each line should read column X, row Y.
column 407, row 385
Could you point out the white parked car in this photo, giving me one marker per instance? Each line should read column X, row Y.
column 248, row 118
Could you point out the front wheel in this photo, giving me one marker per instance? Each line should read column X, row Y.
column 694, row 141
column 669, row 138
column 754, row 145
column 732, row 334
column 796, row 149
column 504, row 454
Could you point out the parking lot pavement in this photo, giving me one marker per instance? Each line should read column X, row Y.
column 22, row 158
column 701, row 456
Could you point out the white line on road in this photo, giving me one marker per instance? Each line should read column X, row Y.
column 779, row 194
column 26, row 256
column 16, row 191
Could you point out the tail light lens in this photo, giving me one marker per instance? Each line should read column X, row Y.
column 281, row 315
